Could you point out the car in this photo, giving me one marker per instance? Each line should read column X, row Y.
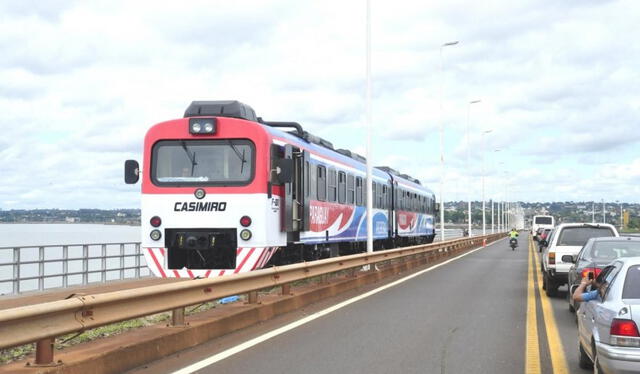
column 567, row 239
column 544, row 234
column 608, row 336
column 595, row 255
column 536, row 234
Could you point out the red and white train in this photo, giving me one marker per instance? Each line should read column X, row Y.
column 225, row 192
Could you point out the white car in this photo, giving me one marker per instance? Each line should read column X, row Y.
column 608, row 326
column 567, row 239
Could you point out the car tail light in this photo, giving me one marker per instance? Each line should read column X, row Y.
column 586, row 271
column 245, row 221
column 155, row 221
column 624, row 332
column 552, row 258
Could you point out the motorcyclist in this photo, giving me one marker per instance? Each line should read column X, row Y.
column 513, row 236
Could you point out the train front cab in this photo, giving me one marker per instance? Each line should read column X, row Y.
column 209, row 206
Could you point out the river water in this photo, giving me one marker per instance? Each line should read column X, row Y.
column 74, row 235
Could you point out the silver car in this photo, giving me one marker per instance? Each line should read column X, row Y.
column 609, row 340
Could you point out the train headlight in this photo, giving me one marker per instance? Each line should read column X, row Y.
column 245, row 234
column 199, row 193
column 202, row 126
column 155, row 235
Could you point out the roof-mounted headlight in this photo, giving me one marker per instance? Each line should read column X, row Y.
column 202, row 126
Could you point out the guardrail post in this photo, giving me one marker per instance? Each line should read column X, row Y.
column 44, row 351
column 137, row 260
column 85, row 264
column 103, row 263
column 286, row 289
column 16, row 271
column 252, row 297
column 40, row 268
column 177, row 317
column 65, row 266
column 121, row 260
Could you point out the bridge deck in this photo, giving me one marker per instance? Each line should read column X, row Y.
column 468, row 315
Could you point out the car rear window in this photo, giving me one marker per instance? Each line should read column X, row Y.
column 610, row 250
column 631, row 289
column 578, row 236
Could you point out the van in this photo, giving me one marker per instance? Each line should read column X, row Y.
column 567, row 239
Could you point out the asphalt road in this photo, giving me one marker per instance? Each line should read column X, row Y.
column 466, row 316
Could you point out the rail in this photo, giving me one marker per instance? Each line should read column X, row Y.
column 41, row 323
column 37, row 268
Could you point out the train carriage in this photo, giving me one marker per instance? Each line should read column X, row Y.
column 225, row 192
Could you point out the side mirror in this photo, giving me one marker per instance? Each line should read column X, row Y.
column 568, row 258
column 131, row 172
column 544, row 243
column 284, row 170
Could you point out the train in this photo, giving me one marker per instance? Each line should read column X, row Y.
column 225, row 192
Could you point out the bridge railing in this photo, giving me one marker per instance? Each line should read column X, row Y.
column 36, row 268
column 42, row 323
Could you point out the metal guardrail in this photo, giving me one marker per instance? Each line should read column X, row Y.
column 52, row 266
column 41, row 323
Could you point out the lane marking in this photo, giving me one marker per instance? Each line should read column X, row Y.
column 558, row 359
column 281, row 330
column 532, row 350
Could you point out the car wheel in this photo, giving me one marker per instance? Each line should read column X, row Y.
column 596, row 362
column 552, row 288
column 572, row 308
column 544, row 281
column 585, row 361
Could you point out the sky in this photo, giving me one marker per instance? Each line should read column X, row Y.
column 81, row 82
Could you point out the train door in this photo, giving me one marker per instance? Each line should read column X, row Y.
column 296, row 206
column 394, row 208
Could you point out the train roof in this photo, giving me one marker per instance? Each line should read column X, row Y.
column 237, row 109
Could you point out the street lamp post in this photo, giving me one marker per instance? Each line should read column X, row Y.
column 493, row 198
column 468, row 168
column 448, row 44
column 369, row 125
column 484, row 223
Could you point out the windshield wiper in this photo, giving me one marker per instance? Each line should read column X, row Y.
column 192, row 157
column 240, row 156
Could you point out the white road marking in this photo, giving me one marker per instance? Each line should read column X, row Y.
column 281, row 330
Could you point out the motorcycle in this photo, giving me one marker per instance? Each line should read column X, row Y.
column 513, row 243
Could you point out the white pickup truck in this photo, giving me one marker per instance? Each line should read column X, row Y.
column 567, row 239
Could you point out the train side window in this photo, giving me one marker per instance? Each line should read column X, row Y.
column 359, row 191
column 342, row 187
column 379, row 196
column 322, row 183
column 374, row 190
column 307, row 179
column 384, row 196
column 313, row 181
column 350, row 190
column 332, row 185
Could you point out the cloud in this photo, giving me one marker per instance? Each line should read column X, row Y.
column 84, row 82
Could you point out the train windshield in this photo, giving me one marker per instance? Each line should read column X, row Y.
column 224, row 162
